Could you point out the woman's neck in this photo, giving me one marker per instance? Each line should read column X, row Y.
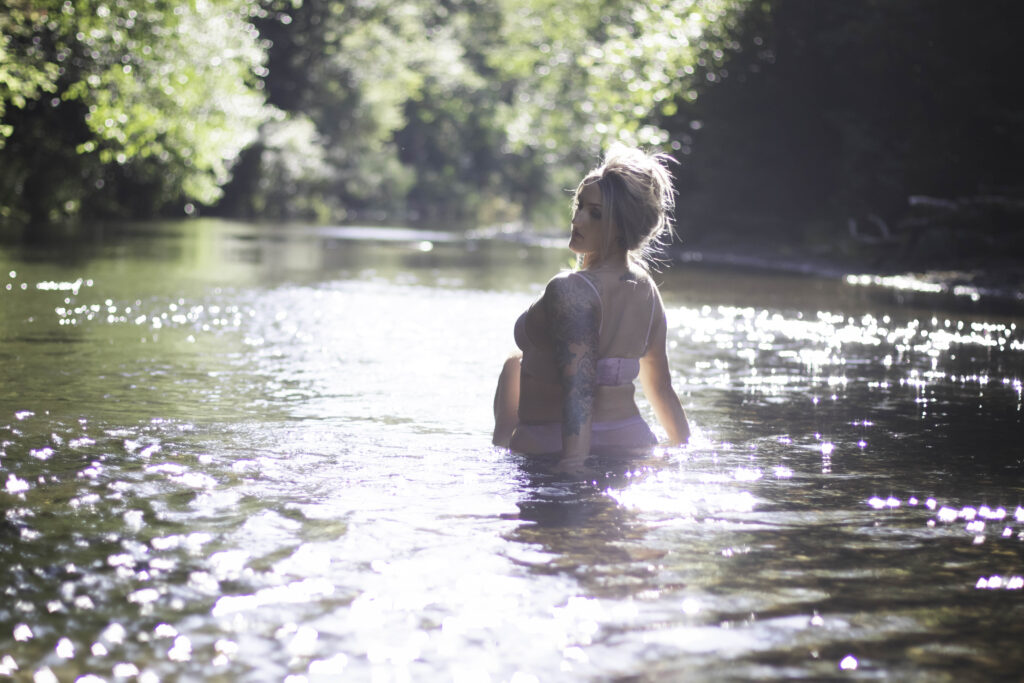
column 614, row 261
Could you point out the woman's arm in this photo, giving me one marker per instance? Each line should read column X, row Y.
column 506, row 401
column 573, row 315
column 656, row 380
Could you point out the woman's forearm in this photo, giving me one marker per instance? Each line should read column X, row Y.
column 578, row 405
column 671, row 415
column 675, row 422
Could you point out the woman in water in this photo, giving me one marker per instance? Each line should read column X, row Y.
column 595, row 330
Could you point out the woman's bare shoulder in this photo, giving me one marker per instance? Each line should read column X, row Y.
column 562, row 276
column 570, row 299
column 570, row 282
column 572, row 317
column 571, row 286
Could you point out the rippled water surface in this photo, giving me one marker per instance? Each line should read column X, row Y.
column 241, row 453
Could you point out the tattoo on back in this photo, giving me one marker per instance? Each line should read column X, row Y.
column 572, row 314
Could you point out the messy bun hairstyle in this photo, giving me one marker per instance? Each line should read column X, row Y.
column 637, row 199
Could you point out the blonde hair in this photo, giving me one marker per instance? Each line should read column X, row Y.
column 637, row 200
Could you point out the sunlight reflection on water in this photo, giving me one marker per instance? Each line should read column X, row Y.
column 251, row 480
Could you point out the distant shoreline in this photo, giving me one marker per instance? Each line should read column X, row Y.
column 999, row 288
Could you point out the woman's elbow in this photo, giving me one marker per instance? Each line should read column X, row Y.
column 660, row 386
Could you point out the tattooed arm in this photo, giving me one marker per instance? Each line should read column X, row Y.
column 573, row 313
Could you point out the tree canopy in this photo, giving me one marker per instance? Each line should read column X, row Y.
column 446, row 111
column 784, row 113
column 122, row 107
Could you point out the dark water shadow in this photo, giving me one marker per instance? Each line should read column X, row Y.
column 580, row 530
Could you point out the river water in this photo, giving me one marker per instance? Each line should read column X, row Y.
column 242, row 453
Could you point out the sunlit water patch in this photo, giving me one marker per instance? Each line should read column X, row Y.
column 240, row 467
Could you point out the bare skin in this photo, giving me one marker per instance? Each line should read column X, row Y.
column 569, row 310
column 568, row 318
column 506, row 401
column 656, row 380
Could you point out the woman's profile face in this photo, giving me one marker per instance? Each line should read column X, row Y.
column 588, row 224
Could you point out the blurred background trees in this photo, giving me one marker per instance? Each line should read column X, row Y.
column 790, row 118
column 123, row 108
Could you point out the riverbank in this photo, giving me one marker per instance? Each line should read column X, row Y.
column 992, row 283
column 980, row 282
column 977, row 281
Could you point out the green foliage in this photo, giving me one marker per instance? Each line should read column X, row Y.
column 161, row 95
column 355, row 70
column 441, row 111
column 784, row 112
column 25, row 74
column 587, row 73
column 190, row 96
column 576, row 75
column 464, row 110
